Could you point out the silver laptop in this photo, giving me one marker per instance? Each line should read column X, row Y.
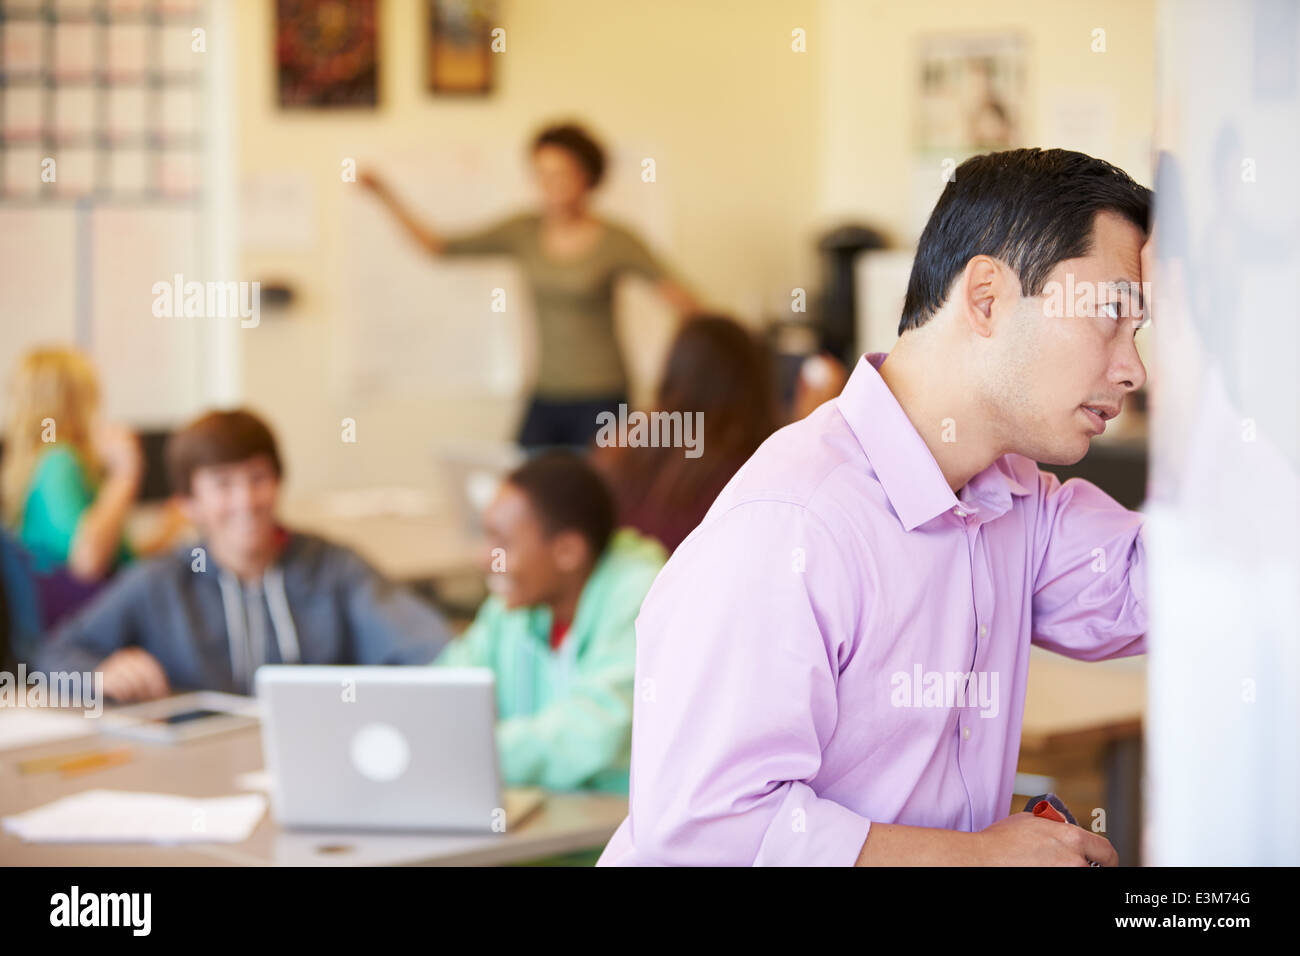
column 393, row 748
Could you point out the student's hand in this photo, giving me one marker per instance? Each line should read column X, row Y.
column 1023, row 839
column 133, row 674
column 119, row 450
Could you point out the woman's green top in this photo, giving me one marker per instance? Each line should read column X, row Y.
column 60, row 490
column 574, row 301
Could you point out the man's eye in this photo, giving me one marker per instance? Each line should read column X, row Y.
column 1110, row 309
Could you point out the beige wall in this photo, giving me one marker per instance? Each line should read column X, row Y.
column 870, row 70
column 760, row 149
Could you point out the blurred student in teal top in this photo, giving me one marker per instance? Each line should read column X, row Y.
column 68, row 479
column 558, row 630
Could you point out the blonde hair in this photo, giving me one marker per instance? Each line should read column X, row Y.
column 53, row 394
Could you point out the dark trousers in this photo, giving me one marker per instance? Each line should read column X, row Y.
column 564, row 423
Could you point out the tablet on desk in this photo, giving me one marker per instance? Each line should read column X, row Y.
column 182, row 717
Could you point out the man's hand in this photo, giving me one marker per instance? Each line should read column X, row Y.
column 1023, row 839
column 133, row 674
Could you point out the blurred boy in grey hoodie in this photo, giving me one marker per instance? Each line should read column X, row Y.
column 248, row 593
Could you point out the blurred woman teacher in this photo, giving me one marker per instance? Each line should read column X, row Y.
column 570, row 259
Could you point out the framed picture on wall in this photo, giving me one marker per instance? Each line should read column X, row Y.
column 460, row 46
column 972, row 93
column 327, row 53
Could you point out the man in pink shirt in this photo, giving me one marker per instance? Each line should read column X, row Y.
column 831, row 668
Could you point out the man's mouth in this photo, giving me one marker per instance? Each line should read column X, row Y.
column 1098, row 415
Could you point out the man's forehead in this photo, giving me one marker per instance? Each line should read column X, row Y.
column 1117, row 243
column 1115, row 253
column 232, row 467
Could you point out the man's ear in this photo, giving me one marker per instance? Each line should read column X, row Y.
column 569, row 550
column 983, row 282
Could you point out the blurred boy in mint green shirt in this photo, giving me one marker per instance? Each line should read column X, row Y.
column 558, row 630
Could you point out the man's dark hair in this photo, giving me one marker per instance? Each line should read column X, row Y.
column 579, row 144
column 567, row 495
column 217, row 438
column 1030, row 208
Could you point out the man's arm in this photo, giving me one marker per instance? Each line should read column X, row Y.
column 737, row 661
column 738, row 654
column 1021, row 839
column 388, row 623
column 107, row 624
column 104, row 636
column 1090, row 584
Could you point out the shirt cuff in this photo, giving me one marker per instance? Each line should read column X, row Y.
column 811, row 831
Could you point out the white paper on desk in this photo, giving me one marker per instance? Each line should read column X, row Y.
column 123, row 816
column 26, row 726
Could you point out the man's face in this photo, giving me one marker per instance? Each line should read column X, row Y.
column 233, row 505
column 523, row 571
column 1068, row 357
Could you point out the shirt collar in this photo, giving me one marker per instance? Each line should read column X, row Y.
column 910, row 476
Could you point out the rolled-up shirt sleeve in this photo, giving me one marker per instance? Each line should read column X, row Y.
column 1090, row 599
column 739, row 645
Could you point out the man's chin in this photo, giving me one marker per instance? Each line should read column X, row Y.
column 1064, row 456
column 250, row 542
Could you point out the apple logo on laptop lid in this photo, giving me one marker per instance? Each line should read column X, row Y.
column 380, row 752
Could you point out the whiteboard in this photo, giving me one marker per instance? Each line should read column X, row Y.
column 417, row 327
column 81, row 275
column 149, row 365
column 1223, row 728
column 38, row 303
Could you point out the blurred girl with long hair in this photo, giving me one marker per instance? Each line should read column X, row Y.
column 718, row 368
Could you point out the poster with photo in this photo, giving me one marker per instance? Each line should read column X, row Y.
column 972, row 94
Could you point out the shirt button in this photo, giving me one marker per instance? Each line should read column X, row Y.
column 984, row 631
column 965, row 732
column 959, row 512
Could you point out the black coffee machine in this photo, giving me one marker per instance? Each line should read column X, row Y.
column 831, row 323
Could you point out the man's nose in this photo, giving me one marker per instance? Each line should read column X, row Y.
column 242, row 494
column 1128, row 371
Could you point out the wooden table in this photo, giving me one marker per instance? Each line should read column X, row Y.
column 565, row 823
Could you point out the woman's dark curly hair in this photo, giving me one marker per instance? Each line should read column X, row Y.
column 579, row 144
